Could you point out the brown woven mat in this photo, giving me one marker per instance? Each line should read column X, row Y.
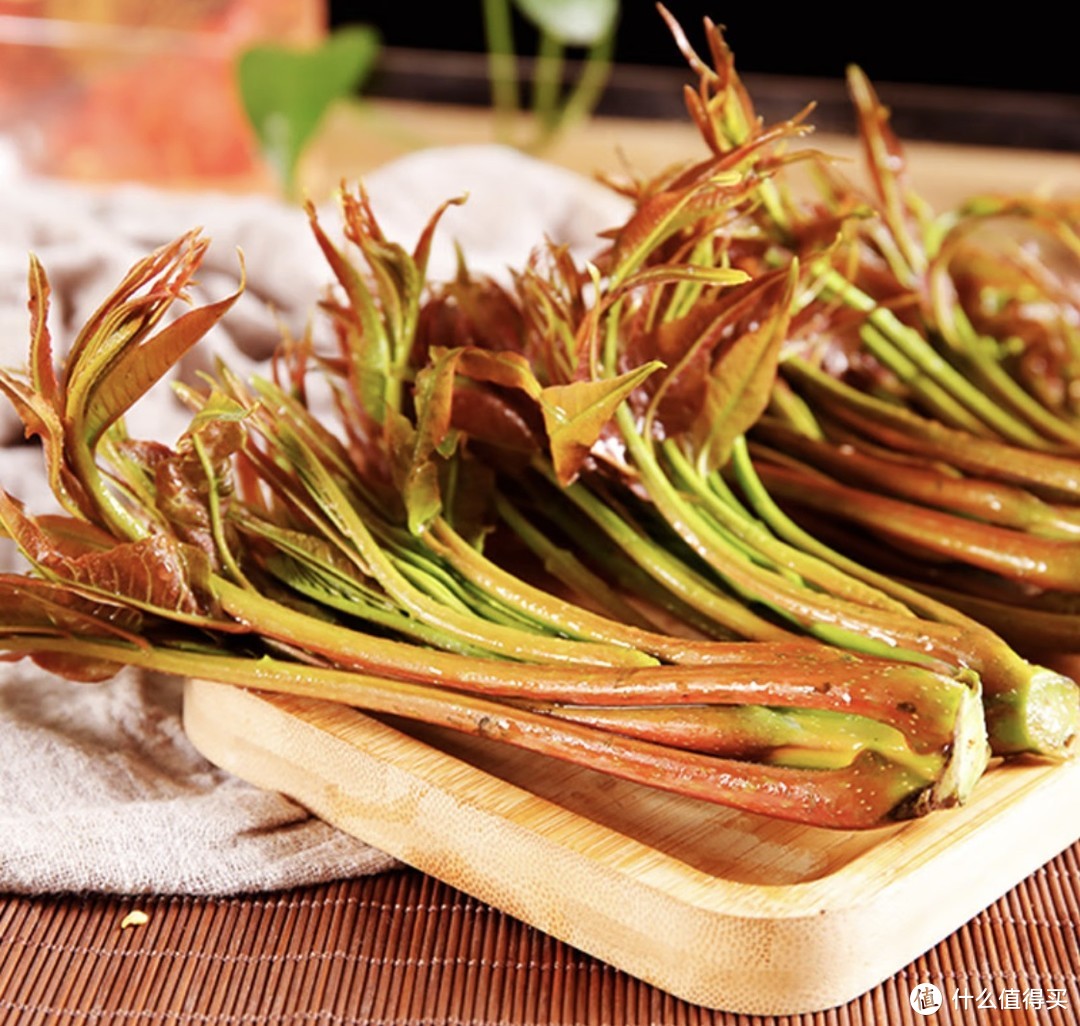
column 403, row 948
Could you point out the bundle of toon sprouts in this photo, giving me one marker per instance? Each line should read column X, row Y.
column 774, row 504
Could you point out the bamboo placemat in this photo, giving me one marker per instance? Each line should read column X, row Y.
column 403, row 948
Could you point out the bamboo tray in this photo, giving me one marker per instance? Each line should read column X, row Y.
column 725, row 909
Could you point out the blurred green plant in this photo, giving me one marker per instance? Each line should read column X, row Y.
column 285, row 91
column 562, row 24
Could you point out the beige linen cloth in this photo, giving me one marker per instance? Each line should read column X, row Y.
column 99, row 788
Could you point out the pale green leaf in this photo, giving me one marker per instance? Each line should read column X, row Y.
column 572, row 22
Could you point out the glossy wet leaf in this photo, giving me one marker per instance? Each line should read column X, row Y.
column 686, row 347
column 576, row 414
column 740, row 382
column 435, row 437
column 154, row 573
column 42, row 370
column 661, row 217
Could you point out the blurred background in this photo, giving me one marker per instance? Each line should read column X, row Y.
column 950, row 72
column 148, row 89
column 932, row 44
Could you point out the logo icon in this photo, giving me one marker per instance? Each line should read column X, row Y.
column 925, row 998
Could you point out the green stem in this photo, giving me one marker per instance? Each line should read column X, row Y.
column 547, row 83
column 982, row 355
column 1029, row 708
column 570, row 619
column 562, row 564
column 811, row 738
column 904, row 431
column 672, row 573
column 765, row 507
column 717, row 499
column 920, row 702
column 1042, row 634
column 913, row 348
column 926, row 482
column 936, row 399
column 627, row 569
column 114, row 516
column 586, row 93
column 831, row 620
column 996, row 380
column 442, row 582
column 336, row 595
column 502, row 66
column 505, row 641
column 1017, row 556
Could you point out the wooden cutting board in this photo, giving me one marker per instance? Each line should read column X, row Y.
column 721, row 908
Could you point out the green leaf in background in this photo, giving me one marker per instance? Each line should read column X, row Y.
column 286, row 91
column 572, row 22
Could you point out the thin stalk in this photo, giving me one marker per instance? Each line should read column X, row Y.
column 502, row 66
column 1029, row 708
column 340, row 596
column 870, row 792
column 936, row 399
column 811, row 738
column 461, row 594
column 436, row 569
column 907, row 432
column 763, row 504
column 927, row 482
column 547, row 83
column 571, row 619
column 114, row 514
column 822, row 616
column 717, row 499
column 672, row 573
column 586, row 92
column 624, row 570
column 1042, row 634
column 506, row 641
column 914, row 348
column 918, row 701
column 995, row 380
column 410, row 571
column 979, row 353
column 1016, row 555
column 565, row 566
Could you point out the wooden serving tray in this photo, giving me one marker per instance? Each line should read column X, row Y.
column 721, row 908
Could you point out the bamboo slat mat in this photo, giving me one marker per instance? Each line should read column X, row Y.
column 403, row 948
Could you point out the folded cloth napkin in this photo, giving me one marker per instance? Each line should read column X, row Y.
column 99, row 788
